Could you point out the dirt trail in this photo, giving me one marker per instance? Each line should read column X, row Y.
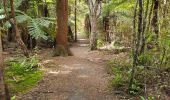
column 79, row 77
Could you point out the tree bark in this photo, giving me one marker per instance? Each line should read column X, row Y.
column 75, row 12
column 93, row 8
column 46, row 12
column 134, row 48
column 93, row 36
column 106, row 20
column 42, row 8
column 144, row 28
column 87, row 26
column 17, row 34
column 155, row 19
column 140, row 36
column 149, row 18
column 2, row 84
column 62, row 26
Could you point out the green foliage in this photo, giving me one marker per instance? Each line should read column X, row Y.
column 17, row 3
column 35, row 25
column 21, row 74
column 143, row 98
column 118, row 7
column 118, row 80
column 100, row 43
column 135, row 88
column 146, row 59
column 121, row 73
column 13, row 98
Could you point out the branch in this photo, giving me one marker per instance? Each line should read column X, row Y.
column 91, row 5
column 97, row 7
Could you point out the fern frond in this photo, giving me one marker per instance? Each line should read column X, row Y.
column 35, row 31
column 44, row 22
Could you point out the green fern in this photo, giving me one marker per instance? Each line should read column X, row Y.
column 35, row 31
column 35, row 25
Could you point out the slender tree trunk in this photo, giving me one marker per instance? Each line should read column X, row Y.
column 94, row 8
column 155, row 19
column 46, row 12
column 10, row 33
column 144, row 28
column 87, row 25
column 93, row 37
column 75, row 20
column 2, row 84
column 134, row 48
column 140, row 26
column 5, row 8
column 18, row 37
column 106, row 28
column 149, row 18
column 62, row 27
column 42, row 8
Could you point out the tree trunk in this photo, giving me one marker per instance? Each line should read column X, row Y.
column 75, row 12
column 93, row 37
column 2, row 84
column 149, row 18
column 140, row 26
column 24, row 5
column 106, row 28
column 18, row 37
column 94, row 9
column 134, row 49
column 62, row 27
column 46, row 12
column 144, row 28
column 155, row 19
column 87, row 26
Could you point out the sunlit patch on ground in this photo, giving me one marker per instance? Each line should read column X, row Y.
column 59, row 72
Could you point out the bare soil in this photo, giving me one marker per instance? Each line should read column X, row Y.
column 79, row 77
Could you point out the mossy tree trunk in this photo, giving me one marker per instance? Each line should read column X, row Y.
column 2, row 84
column 4, row 94
column 17, row 34
column 155, row 19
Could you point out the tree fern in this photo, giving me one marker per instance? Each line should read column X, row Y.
column 118, row 7
column 35, row 25
column 35, row 31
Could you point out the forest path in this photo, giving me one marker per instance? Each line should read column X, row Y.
column 79, row 77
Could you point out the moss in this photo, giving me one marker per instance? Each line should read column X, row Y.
column 22, row 83
column 22, row 75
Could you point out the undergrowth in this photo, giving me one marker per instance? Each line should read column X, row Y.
column 121, row 75
column 150, row 77
column 21, row 74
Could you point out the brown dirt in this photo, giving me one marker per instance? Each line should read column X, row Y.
column 79, row 77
